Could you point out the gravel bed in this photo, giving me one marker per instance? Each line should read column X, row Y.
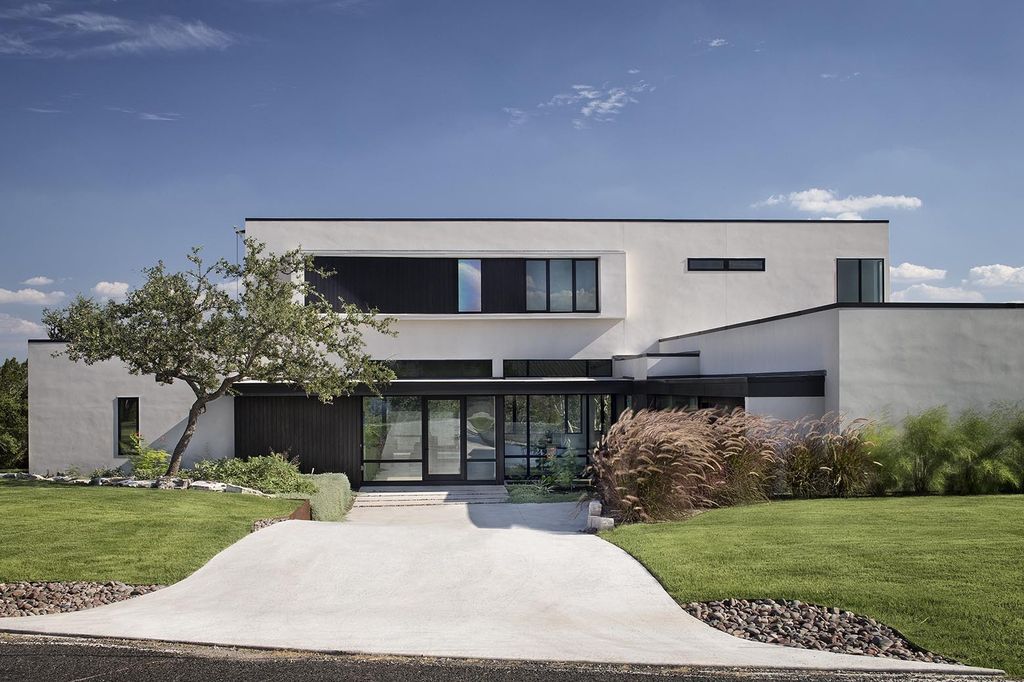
column 40, row 598
column 807, row 626
column 260, row 524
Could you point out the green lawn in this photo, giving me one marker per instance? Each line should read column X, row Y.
column 64, row 532
column 946, row 571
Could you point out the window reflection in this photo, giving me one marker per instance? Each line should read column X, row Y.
column 469, row 285
column 536, row 285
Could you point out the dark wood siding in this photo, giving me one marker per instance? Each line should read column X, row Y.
column 503, row 285
column 392, row 285
column 325, row 438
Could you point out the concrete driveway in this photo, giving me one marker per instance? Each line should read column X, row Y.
column 483, row 581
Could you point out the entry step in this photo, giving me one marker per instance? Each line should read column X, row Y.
column 411, row 496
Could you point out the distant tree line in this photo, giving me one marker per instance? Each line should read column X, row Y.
column 13, row 414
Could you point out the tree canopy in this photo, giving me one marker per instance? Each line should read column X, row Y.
column 189, row 326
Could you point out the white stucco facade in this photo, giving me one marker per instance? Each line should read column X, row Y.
column 668, row 328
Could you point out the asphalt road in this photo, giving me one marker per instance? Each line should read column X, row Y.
column 77, row 660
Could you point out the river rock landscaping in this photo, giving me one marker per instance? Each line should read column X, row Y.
column 41, row 598
column 808, row 626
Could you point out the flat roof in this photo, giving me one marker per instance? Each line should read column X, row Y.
column 564, row 220
column 833, row 306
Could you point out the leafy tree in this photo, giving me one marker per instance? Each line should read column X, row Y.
column 186, row 326
column 13, row 414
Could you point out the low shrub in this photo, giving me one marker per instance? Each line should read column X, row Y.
column 147, row 462
column 982, row 456
column 273, row 473
column 332, row 497
column 829, row 457
column 926, row 447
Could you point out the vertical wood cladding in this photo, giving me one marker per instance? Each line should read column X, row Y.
column 419, row 285
column 325, row 438
column 503, row 285
column 392, row 285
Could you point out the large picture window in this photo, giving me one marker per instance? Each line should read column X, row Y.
column 562, row 285
column 127, row 425
column 860, row 280
column 549, row 433
column 393, row 438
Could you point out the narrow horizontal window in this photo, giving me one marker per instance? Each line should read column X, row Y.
column 441, row 369
column 557, row 368
column 721, row 264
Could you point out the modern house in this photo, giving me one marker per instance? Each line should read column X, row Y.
column 519, row 341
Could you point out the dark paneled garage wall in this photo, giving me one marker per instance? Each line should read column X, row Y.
column 324, row 437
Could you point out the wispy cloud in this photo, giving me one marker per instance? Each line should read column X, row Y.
column 516, row 117
column 928, row 292
column 716, row 42
column 839, row 77
column 908, row 272
column 824, row 202
column 37, row 110
column 41, row 30
column 633, row 72
column 111, row 290
column 996, row 275
column 146, row 115
column 17, row 327
column 38, row 281
column 31, row 296
column 597, row 104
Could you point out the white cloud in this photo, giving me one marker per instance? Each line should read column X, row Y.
column 996, row 276
column 31, row 296
column 15, row 326
column 825, row 202
column 147, row 116
column 37, row 110
column 717, row 42
column 38, row 281
column 633, row 72
column 111, row 290
column 600, row 104
column 908, row 272
column 927, row 292
column 38, row 30
column 516, row 117
column 829, row 76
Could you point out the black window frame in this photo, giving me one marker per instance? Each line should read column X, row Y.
column 692, row 265
column 523, row 368
column 118, row 419
column 860, row 279
column 547, row 273
column 480, row 368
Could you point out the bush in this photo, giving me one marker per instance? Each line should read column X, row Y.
column 982, row 456
column 147, row 462
column 829, row 457
column 331, row 498
column 273, row 473
column 664, row 464
column 926, row 446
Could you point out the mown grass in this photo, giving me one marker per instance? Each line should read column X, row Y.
column 946, row 571
column 62, row 532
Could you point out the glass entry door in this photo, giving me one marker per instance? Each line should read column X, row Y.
column 444, row 438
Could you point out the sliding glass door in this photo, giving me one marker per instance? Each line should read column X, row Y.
column 444, row 438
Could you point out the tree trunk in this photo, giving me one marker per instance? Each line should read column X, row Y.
column 190, row 429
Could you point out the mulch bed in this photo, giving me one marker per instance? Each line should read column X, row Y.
column 808, row 626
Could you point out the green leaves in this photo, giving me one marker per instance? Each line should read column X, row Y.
column 187, row 326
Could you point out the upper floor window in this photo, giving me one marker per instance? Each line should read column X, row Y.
column 860, row 280
column 718, row 264
column 561, row 285
column 432, row 285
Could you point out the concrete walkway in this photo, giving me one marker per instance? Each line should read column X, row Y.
column 420, row 496
column 483, row 581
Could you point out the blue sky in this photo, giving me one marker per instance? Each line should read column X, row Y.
column 131, row 131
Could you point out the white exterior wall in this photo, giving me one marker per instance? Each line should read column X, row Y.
column 897, row 361
column 646, row 292
column 804, row 343
column 72, row 415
